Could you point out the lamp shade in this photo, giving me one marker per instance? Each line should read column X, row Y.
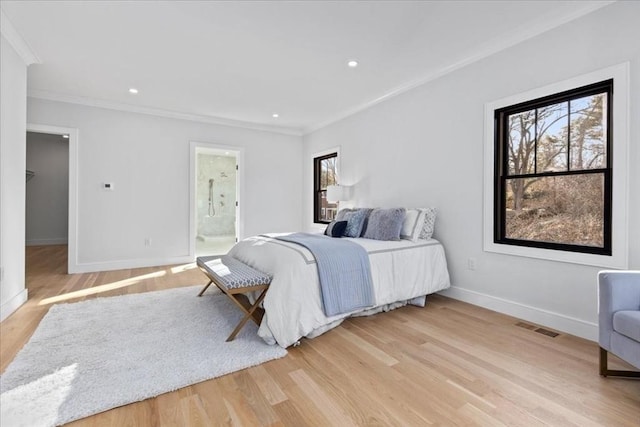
column 336, row 193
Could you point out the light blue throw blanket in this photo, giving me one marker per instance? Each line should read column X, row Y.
column 343, row 269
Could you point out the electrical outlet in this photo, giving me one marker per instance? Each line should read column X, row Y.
column 471, row 263
column 147, row 241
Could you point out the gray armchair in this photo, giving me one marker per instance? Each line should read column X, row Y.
column 619, row 319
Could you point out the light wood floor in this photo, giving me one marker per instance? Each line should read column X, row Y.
column 448, row 364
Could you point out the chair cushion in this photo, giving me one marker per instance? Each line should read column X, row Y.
column 232, row 273
column 627, row 323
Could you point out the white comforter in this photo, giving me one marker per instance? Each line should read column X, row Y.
column 401, row 271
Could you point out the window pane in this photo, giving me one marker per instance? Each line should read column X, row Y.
column 521, row 142
column 323, row 174
column 331, row 170
column 552, row 138
column 557, row 209
column 588, row 136
column 327, row 172
column 327, row 210
column 332, row 178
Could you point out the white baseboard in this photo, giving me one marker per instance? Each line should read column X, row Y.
column 560, row 322
column 91, row 267
column 13, row 304
column 47, row 242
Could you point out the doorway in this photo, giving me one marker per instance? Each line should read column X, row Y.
column 44, row 226
column 47, row 189
column 215, row 205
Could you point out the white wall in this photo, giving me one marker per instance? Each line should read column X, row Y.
column 47, row 198
column 424, row 148
column 13, row 87
column 146, row 158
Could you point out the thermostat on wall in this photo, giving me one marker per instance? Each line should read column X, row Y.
column 107, row 185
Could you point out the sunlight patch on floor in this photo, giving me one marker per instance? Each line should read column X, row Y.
column 52, row 390
column 102, row 288
column 182, row 268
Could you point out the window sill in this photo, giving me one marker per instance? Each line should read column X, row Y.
column 613, row 261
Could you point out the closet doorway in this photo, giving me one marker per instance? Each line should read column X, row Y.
column 215, row 198
column 47, row 189
column 51, row 192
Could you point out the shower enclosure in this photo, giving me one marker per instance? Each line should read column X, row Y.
column 216, row 192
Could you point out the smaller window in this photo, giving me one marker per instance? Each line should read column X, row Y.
column 324, row 175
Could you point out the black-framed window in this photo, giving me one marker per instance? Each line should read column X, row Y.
column 553, row 171
column 324, row 175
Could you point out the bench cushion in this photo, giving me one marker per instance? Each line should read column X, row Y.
column 232, row 273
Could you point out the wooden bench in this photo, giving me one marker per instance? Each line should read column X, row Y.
column 236, row 279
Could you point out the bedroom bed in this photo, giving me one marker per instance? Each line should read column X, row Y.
column 402, row 272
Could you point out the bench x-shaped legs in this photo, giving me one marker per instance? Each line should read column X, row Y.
column 205, row 287
column 252, row 311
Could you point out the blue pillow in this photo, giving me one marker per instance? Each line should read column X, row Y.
column 342, row 212
column 335, row 228
column 385, row 224
column 355, row 222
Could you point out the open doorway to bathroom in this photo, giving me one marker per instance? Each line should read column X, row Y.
column 216, row 199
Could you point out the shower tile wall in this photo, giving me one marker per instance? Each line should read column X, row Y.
column 222, row 170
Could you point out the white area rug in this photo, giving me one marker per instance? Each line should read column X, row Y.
column 95, row 355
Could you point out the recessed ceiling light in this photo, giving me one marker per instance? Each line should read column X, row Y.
column 352, row 63
column 133, row 90
column 275, row 115
column 65, row 136
column 226, row 153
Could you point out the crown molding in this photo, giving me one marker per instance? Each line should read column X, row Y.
column 500, row 44
column 119, row 106
column 16, row 41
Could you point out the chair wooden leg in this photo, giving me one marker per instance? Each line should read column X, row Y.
column 606, row 372
column 603, row 362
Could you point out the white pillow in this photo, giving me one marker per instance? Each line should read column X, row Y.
column 413, row 224
column 429, row 223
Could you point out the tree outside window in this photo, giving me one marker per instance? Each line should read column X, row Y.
column 553, row 171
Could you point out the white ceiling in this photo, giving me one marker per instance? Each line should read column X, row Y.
column 239, row 62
